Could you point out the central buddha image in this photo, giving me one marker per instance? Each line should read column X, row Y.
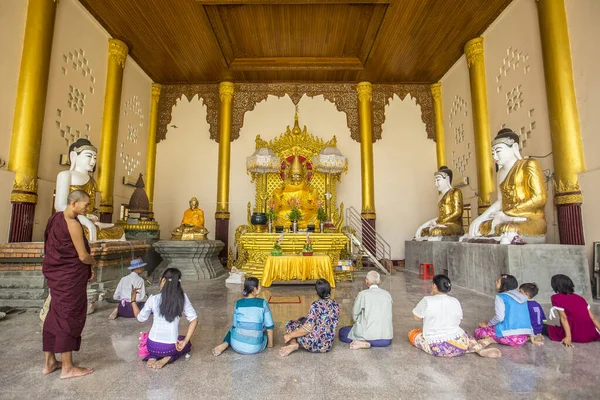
column 296, row 191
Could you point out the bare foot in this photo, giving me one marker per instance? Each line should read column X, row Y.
column 490, row 353
column 114, row 314
column 220, row 348
column 485, row 342
column 75, row 372
column 161, row 363
column 151, row 362
column 287, row 350
column 48, row 369
column 538, row 340
column 359, row 344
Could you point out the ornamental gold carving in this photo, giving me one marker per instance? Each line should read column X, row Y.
column 436, row 90
column 117, row 50
column 156, row 91
column 26, row 184
column 365, row 91
column 567, row 192
column 474, row 51
column 225, row 91
column 247, row 95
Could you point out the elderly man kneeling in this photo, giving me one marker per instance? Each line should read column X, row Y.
column 372, row 314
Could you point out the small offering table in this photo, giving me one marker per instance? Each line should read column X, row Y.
column 289, row 268
column 254, row 248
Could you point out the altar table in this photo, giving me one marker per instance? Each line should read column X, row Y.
column 288, row 268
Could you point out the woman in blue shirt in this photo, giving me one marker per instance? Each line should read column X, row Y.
column 251, row 317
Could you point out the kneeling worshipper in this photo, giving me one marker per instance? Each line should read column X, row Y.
column 163, row 344
column 123, row 291
column 252, row 328
column 67, row 267
column 316, row 331
column 511, row 325
column 442, row 335
column 372, row 314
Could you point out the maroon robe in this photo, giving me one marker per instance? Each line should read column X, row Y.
column 67, row 278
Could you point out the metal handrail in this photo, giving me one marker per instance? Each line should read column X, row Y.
column 370, row 241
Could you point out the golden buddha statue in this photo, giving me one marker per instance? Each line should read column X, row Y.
column 519, row 209
column 295, row 188
column 82, row 156
column 450, row 210
column 192, row 224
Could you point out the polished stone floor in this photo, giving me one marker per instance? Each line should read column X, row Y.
column 397, row 372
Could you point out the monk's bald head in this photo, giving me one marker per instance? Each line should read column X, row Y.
column 77, row 196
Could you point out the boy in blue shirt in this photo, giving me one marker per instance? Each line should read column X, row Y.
column 536, row 312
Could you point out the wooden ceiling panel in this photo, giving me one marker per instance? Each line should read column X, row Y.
column 198, row 41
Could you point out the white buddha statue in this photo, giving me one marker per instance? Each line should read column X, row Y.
column 450, row 210
column 519, row 209
column 82, row 156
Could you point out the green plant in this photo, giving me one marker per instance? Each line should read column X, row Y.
column 271, row 214
column 321, row 214
column 295, row 214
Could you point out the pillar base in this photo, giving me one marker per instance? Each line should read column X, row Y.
column 106, row 218
column 368, row 237
column 21, row 222
column 570, row 224
column 222, row 234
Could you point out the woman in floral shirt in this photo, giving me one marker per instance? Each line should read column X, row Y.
column 316, row 332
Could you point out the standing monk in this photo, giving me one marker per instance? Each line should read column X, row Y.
column 67, row 267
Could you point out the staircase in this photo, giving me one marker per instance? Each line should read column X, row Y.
column 369, row 243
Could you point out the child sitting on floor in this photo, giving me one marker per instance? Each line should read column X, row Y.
column 163, row 344
column 511, row 325
column 577, row 323
column 536, row 312
column 123, row 291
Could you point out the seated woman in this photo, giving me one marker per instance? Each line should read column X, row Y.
column 511, row 325
column 251, row 317
column 577, row 322
column 442, row 335
column 164, row 344
column 316, row 332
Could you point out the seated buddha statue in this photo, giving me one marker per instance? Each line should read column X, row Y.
column 519, row 209
column 192, row 224
column 295, row 188
column 82, row 156
column 450, row 210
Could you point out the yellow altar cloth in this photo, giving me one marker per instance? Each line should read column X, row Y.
column 289, row 268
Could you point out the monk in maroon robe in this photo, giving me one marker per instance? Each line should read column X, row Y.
column 67, row 267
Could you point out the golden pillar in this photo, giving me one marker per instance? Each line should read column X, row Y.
column 28, row 120
column 222, row 213
column 117, row 55
column 151, row 157
column 567, row 145
column 481, row 123
column 365, row 121
column 440, row 141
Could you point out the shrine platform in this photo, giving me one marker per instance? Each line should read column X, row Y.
column 254, row 248
column 22, row 283
column 476, row 266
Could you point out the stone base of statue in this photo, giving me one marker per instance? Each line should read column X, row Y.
column 476, row 266
column 197, row 260
column 452, row 238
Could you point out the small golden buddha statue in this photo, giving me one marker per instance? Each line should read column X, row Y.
column 296, row 189
column 519, row 209
column 192, row 224
column 450, row 210
column 82, row 156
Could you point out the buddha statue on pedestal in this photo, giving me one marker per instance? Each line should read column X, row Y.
column 450, row 210
column 296, row 189
column 82, row 156
column 192, row 224
column 519, row 209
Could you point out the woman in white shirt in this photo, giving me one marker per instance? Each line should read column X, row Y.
column 163, row 344
column 442, row 335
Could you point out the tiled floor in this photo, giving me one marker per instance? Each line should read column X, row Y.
column 396, row 372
